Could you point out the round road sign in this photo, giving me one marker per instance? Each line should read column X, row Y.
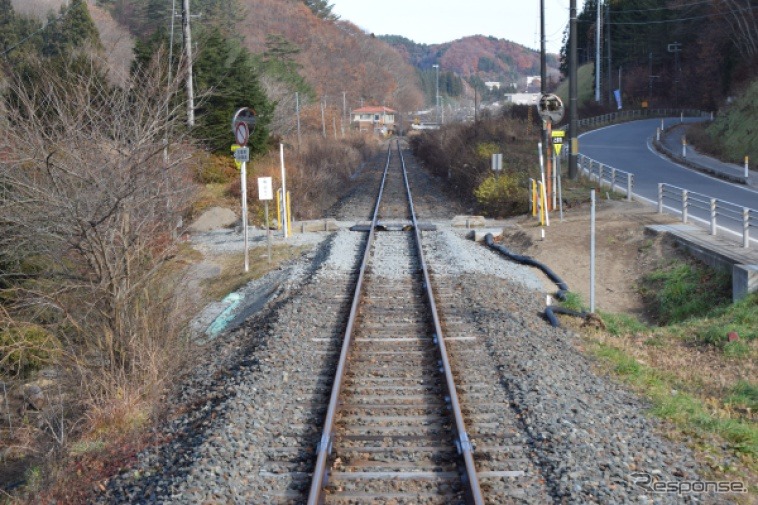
column 550, row 108
column 241, row 133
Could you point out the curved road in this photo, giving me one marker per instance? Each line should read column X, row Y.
column 628, row 146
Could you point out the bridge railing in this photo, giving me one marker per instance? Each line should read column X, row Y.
column 683, row 201
column 615, row 179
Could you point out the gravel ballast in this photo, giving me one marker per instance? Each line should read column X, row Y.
column 244, row 427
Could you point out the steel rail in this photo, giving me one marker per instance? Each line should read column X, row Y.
column 319, row 479
column 463, row 443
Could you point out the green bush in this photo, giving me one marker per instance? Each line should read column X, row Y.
column 24, row 349
column 503, row 195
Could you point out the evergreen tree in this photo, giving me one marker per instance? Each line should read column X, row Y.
column 322, row 9
column 278, row 61
column 71, row 29
column 226, row 80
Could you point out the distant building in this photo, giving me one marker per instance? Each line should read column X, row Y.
column 521, row 98
column 374, row 119
column 492, row 85
column 533, row 83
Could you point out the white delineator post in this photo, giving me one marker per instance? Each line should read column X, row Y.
column 747, row 167
column 746, row 227
column 284, row 192
column 543, row 195
column 592, row 251
column 244, row 215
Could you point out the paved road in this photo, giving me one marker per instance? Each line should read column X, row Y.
column 627, row 146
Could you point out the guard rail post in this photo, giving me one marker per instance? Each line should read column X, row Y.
column 660, row 198
column 613, row 179
column 746, row 227
column 684, row 205
column 600, row 170
column 629, row 184
column 713, row 216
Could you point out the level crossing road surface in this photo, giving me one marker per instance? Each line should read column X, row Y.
column 628, row 146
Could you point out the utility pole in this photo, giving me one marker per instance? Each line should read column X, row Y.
column 608, row 50
column 188, row 53
column 297, row 113
column 598, row 38
column 323, row 119
column 437, row 97
column 574, row 143
column 543, row 72
column 344, row 113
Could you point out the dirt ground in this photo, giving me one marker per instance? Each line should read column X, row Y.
column 624, row 253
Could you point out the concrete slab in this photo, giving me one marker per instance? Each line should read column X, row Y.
column 718, row 252
column 468, row 222
column 315, row 225
column 744, row 281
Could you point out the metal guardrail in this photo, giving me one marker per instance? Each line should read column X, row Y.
column 684, row 201
column 616, row 179
column 632, row 115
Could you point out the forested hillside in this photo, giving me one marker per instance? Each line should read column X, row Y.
column 486, row 58
column 672, row 52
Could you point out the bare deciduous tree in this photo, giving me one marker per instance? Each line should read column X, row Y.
column 91, row 200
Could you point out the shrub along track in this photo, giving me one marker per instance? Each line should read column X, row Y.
column 543, row 428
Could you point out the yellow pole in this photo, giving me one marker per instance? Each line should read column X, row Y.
column 289, row 215
column 534, row 197
column 278, row 209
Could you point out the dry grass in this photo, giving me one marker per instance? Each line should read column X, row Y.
column 691, row 388
column 233, row 278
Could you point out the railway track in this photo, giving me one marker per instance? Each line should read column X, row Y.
column 533, row 426
column 394, row 430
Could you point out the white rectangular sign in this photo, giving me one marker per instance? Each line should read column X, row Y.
column 265, row 188
column 242, row 154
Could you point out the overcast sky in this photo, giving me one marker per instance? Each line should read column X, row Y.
column 436, row 21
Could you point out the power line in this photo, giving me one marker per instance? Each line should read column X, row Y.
column 675, row 7
column 678, row 20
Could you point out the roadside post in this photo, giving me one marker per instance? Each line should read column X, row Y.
column 544, row 219
column 497, row 164
column 551, row 110
column 747, row 167
column 266, row 193
column 592, row 251
column 557, row 137
column 285, row 215
column 242, row 155
column 242, row 121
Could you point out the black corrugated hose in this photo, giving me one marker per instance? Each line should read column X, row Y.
column 550, row 311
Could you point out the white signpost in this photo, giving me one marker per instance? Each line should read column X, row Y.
column 266, row 193
column 241, row 129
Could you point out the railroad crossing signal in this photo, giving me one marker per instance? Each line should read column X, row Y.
column 558, row 136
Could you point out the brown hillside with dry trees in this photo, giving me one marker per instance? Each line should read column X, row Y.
column 335, row 56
